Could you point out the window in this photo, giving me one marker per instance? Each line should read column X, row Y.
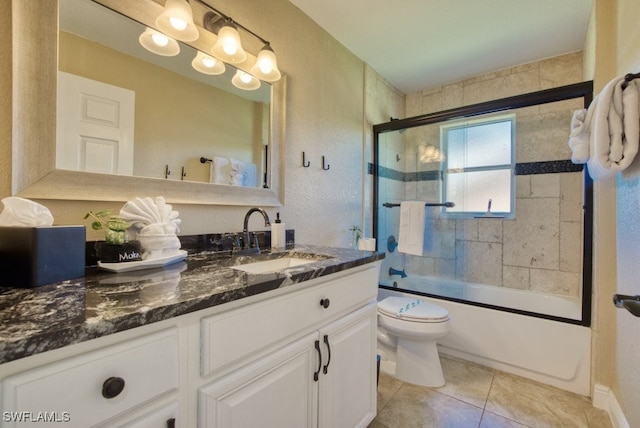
column 477, row 168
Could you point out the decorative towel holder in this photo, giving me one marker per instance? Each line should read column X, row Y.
column 427, row 204
column 630, row 303
column 628, row 78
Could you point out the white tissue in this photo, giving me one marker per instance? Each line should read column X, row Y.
column 22, row 212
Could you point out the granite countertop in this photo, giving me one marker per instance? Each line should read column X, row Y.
column 52, row 316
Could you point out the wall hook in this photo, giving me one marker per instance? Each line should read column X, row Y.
column 323, row 165
column 167, row 173
column 305, row 163
column 183, row 174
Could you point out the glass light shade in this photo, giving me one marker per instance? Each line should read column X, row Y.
column 228, row 46
column 158, row 43
column 245, row 81
column 177, row 21
column 207, row 64
column 266, row 66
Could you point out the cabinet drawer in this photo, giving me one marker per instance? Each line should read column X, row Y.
column 239, row 335
column 73, row 388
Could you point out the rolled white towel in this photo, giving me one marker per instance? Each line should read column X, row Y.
column 615, row 130
column 579, row 137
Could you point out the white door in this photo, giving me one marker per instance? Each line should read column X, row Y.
column 347, row 397
column 277, row 390
column 95, row 126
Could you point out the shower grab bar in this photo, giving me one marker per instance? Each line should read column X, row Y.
column 631, row 303
column 427, row 204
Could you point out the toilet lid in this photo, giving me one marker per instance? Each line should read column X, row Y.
column 412, row 309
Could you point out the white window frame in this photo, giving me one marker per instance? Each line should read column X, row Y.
column 511, row 166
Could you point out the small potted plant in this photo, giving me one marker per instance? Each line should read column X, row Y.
column 116, row 248
column 356, row 235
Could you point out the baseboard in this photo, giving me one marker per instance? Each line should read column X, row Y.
column 605, row 399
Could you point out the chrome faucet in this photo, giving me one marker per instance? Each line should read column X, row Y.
column 246, row 240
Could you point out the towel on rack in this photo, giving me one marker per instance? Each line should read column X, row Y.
column 250, row 178
column 611, row 127
column 236, row 172
column 219, row 170
column 411, row 234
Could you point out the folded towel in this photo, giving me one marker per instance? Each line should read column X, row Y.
column 250, row 177
column 219, row 170
column 236, row 172
column 579, row 137
column 155, row 224
column 610, row 125
column 411, row 235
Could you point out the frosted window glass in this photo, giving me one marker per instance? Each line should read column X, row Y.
column 471, row 191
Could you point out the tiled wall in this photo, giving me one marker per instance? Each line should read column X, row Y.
column 541, row 248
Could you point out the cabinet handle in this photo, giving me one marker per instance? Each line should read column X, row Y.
column 325, row 369
column 112, row 387
column 325, row 303
column 316, row 374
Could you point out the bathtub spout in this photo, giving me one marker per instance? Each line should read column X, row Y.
column 393, row 271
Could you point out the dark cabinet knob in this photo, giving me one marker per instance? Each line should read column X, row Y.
column 112, row 387
column 325, row 303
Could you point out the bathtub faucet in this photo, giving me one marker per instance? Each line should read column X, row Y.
column 393, row 271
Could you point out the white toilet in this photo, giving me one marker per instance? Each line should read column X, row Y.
column 407, row 332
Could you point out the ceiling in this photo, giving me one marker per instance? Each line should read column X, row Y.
column 416, row 44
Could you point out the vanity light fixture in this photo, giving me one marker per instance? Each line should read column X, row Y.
column 244, row 80
column 266, row 66
column 228, row 46
column 177, row 21
column 158, row 43
column 206, row 64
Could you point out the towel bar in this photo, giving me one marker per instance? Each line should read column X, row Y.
column 427, row 204
column 628, row 78
column 631, row 303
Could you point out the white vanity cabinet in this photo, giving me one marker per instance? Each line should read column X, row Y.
column 299, row 356
column 91, row 388
column 306, row 359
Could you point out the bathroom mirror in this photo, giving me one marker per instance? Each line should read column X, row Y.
column 39, row 178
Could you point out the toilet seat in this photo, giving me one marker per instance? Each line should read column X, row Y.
column 414, row 310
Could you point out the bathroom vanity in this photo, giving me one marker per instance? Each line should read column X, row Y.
column 203, row 342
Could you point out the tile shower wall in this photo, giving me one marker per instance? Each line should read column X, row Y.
column 541, row 248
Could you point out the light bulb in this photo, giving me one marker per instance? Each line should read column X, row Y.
column 177, row 23
column 208, row 62
column 245, row 77
column 160, row 39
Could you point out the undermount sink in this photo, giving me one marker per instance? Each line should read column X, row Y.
column 274, row 265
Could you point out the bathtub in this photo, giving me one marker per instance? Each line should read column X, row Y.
column 545, row 350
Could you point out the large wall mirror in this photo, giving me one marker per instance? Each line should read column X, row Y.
column 179, row 117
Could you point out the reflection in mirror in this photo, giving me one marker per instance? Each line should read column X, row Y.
column 154, row 116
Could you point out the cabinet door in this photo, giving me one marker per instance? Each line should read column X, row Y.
column 348, row 388
column 275, row 391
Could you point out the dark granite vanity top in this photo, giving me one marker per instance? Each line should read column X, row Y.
column 101, row 303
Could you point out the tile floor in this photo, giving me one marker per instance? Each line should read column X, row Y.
column 481, row 397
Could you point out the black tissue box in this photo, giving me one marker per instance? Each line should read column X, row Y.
column 35, row 256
